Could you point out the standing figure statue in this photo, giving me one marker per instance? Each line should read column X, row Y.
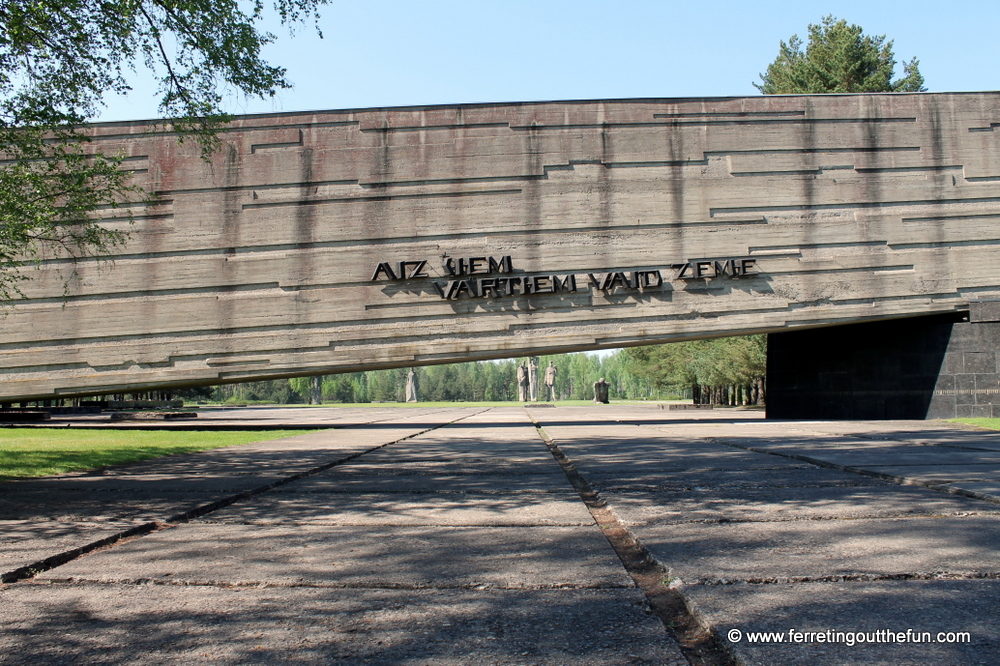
column 533, row 378
column 601, row 391
column 411, row 387
column 550, row 380
column 522, row 383
column 316, row 390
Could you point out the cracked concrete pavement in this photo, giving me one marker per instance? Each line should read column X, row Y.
column 452, row 536
column 452, row 544
column 760, row 539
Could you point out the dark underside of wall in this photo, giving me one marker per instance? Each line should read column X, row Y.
column 941, row 366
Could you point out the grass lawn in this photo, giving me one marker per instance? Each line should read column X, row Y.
column 33, row 452
column 992, row 424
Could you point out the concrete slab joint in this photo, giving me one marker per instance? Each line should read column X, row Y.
column 511, row 535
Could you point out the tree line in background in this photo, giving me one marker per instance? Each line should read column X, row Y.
column 726, row 371
column 483, row 381
column 722, row 371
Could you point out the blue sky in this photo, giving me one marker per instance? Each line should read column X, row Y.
column 394, row 52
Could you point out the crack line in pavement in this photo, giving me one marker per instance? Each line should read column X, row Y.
column 697, row 642
column 29, row 571
column 833, row 578
column 75, row 580
column 940, row 486
column 908, row 442
column 335, row 523
column 796, row 519
column 846, row 578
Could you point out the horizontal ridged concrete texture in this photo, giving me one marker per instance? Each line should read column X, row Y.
column 259, row 262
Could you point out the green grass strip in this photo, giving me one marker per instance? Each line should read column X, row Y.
column 34, row 452
column 992, row 424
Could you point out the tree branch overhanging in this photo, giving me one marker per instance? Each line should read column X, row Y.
column 59, row 58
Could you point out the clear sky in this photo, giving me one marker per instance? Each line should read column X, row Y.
column 399, row 52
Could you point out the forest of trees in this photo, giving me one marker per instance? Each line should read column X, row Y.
column 723, row 371
column 459, row 382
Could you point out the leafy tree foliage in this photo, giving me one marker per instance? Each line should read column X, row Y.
column 58, row 60
column 723, row 370
column 839, row 58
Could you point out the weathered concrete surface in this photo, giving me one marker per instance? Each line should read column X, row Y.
column 453, row 509
column 23, row 542
column 770, row 543
column 708, row 500
column 33, row 513
column 377, row 556
column 459, row 545
column 923, row 606
column 466, row 547
column 138, row 624
column 790, row 549
column 965, row 461
column 264, row 262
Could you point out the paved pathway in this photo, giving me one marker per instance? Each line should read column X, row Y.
column 452, row 536
column 451, row 544
column 760, row 542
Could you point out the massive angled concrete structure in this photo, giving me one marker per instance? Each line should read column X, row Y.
column 342, row 240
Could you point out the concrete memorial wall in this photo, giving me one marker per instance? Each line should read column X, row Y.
column 337, row 241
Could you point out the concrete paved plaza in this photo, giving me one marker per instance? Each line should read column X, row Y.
column 458, row 536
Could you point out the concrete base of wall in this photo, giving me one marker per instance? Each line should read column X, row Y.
column 935, row 367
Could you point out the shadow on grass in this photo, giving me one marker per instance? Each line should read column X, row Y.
column 47, row 462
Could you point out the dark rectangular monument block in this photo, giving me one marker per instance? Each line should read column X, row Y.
column 939, row 366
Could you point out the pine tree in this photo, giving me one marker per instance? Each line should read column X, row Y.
column 839, row 58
